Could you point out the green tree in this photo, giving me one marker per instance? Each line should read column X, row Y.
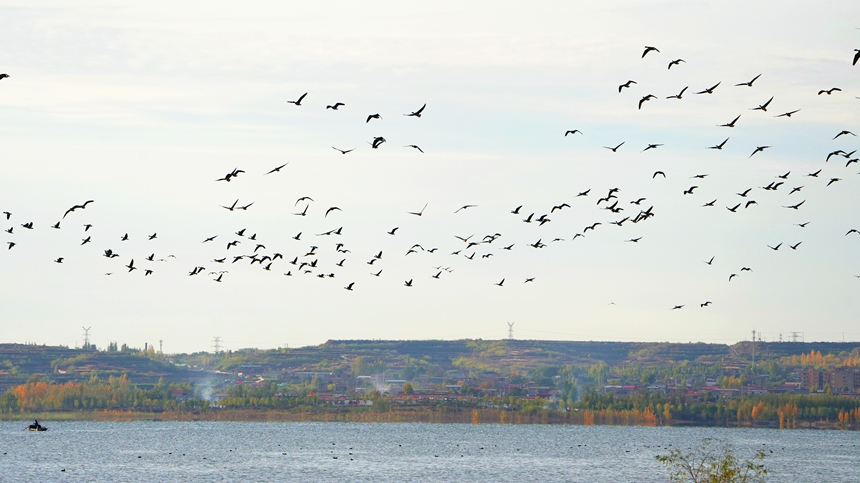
column 407, row 389
column 713, row 462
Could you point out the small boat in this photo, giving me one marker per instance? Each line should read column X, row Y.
column 36, row 427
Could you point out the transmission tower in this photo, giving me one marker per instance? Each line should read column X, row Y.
column 87, row 337
column 217, row 341
column 794, row 336
column 160, row 342
column 753, row 349
column 510, row 331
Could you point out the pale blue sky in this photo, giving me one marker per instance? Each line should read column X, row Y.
column 141, row 108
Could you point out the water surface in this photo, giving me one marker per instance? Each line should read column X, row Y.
column 395, row 452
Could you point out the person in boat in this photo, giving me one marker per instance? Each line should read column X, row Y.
column 36, row 426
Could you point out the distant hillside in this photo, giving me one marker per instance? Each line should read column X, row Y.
column 407, row 358
column 503, row 356
column 20, row 361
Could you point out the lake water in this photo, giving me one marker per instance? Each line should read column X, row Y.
column 395, row 452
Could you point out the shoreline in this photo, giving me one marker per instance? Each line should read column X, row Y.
column 464, row 416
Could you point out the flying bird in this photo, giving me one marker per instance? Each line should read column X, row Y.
column 330, row 210
column 646, row 98
column 750, row 83
column 81, row 206
column 719, row 146
column 762, row 107
column 373, row 116
column 675, row 62
column 651, row 146
column 843, row 133
column 678, row 95
column 829, row 91
column 758, row 149
column 298, row 102
column 278, row 169
column 615, row 149
column 342, row 151
column 794, row 207
column 232, row 174
column 660, row 173
column 710, row 90
column 573, row 131
column 854, row 62
column 414, row 146
column 418, row 213
column 335, row 106
column 731, row 124
column 649, row 49
column 787, row 114
column 416, row 113
column 626, row 84
column 464, row 207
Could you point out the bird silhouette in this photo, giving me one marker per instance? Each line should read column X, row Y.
column 750, row 83
column 418, row 213
column 615, row 149
column 720, row 146
column 298, row 101
column 675, row 62
column 646, row 98
column 625, row 85
column 278, row 169
column 762, row 107
column 335, row 106
column 758, row 149
column 678, row 95
column 787, row 114
column 844, row 133
column 416, row 113
column 649, row 49
column 342, row 151
column 829, row 91
column 372, row 116
column 710, row 90
column 414, row 146
column 70, row 210
column 731, row 124
column 573, row 131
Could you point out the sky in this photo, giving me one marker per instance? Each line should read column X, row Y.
column 141, row 108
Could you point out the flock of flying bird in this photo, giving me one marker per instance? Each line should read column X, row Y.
column 243, row 246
